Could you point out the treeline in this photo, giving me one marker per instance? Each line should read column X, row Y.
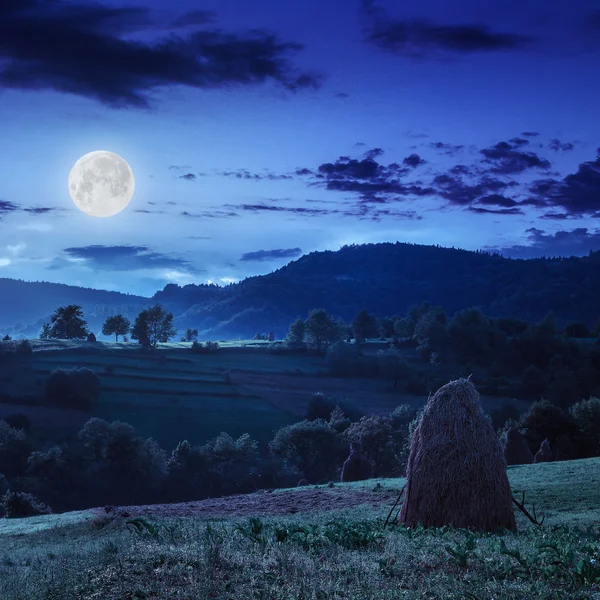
column 514, row 358
column 108, row 463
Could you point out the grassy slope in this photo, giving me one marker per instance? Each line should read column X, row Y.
column 64, row 556
column 187, row 396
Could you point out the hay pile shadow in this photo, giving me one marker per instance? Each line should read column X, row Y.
column 456, row 473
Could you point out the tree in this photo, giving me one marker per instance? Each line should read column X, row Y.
column 67, row 324
column 320, row 330
column 364, row 326
column 116, row 325
column 295, row 335
column 46, row 331
column 153, row 325
column 191, row 335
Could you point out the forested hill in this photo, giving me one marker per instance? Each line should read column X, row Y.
column 25, row 303
column 386, row 279
column 389, row 278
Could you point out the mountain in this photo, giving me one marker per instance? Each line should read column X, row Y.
column 385, row 278
column 388, row 279
column 25, row 306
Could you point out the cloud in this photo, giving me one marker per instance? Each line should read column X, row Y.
column 507, row 160
column 192, row 18
column 188, row 177
column 342, row 95
column 458, row 192
column 42, row 210
column 16, row 249
column 423, row 39
column 215, row 214
column 530, row 133
column 577, row 242
column 578, row 193
column 257, row 208
column 517, row 141
column 449, row 149
column 414, row 160
column 86, row 50
column 121, row 258
column 244, row 174
column 557, row 145
column 7, row 207
column 262, row 255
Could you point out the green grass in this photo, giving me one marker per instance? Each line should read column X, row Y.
column 328, row 555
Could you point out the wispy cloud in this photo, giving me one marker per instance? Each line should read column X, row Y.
column 262, row 255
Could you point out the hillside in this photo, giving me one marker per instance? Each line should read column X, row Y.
column 311, row 542
column 25, row 305
column 388, row 279
column 385, row 278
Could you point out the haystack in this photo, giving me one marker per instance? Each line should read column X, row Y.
column 544, row 454
column 357, row 466
column 516, row 450
column 456, row 474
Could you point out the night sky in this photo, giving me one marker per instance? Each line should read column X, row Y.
column 259, row 131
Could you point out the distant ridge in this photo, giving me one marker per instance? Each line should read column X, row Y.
column 386, row 279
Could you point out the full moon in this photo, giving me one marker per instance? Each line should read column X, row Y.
column 101, row 184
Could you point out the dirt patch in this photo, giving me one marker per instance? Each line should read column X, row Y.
column 264, row 503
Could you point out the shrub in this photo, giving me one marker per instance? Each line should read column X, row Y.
column 91, row 337
column 319, row 407
column 18, row 421
column 586, row 415
column 19, row 504
column 313, row 447
column 75, row 389
column 206, row 348
column 343, row 359
column 381, row 447
column 545, row 420
column 119, row 464
column 15, row 447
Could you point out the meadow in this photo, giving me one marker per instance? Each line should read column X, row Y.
column 308, row 554
column 175, row 394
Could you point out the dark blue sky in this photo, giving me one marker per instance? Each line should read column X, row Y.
column 259, row 131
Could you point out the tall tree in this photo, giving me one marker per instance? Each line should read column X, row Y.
column 364, row 326
column 295, row 335
column 191, row 335
column 320, row 330
column 153, row 325
column 67, row 323
column 116, row 325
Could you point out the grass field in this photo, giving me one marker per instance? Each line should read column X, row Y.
column 330, row 554
column 177, row 394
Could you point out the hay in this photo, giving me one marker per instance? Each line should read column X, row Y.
column 516, row 450
column 456, row 474
column 357, row 466
column 544, row 454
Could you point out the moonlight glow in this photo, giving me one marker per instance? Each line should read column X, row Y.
column 101, row 184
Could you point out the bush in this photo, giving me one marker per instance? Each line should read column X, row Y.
column 15, row 505
column 91, row 337
column 313, row 447
column 206, row 348
column 319, row 407
column 343, row 359
column 545, row 420
column 15, row 447
column 586, row 415
column 381, row 447
column 18, row 421
column 76, row 389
